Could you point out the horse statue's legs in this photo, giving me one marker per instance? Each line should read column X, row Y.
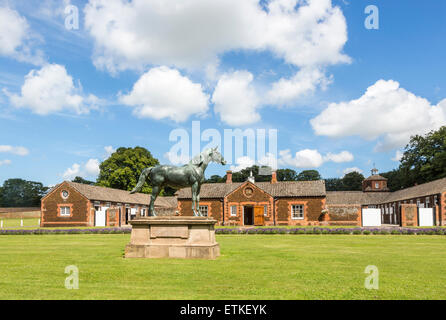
column 155, row 192
column 194, row 188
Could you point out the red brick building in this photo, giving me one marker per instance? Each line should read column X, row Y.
column 75, row 204
column 259, row 203
column 303, row 202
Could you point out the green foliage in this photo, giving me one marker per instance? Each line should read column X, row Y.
column 308, row 175
column 333, row 184
column 123, row 168
column 21, row 193
column 286, row 175
column 216, row 179
column 424, row 158
column 83, row 181
column 352, row 181
column 242, row 176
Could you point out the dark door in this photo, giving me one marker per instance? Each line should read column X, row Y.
column 248, row 216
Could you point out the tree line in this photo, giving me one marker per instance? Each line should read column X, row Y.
column 423, row 160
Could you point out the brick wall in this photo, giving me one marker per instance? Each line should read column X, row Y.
column 312, row 211
column 344, row 215
column 215, row 209
column 80, row 207
column 409, row 215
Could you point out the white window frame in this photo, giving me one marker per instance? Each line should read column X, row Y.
column 302, row 209
column 376, row 185
column 265, row 210
column 427, row 201
column 207, row 210
column 63, row 210
column 233, row 212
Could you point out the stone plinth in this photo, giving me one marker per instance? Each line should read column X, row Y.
column 173, row 237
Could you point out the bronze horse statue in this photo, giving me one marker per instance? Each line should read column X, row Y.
column 189, row 175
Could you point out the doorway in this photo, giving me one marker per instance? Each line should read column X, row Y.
column 248, row 215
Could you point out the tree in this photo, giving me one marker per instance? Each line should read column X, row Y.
column 352, row 181
column 123, row 168
column 333, row 184
column 216, row 179
column 424, row 158
column 308, row 175
column 21, row 193
column 242, row 175
column 286, row 175
column 83, row 181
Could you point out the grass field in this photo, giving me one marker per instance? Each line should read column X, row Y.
column 251, row 267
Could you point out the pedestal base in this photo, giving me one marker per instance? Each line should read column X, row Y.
column 173, row 237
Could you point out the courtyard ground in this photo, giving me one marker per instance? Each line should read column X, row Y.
column 250, row 267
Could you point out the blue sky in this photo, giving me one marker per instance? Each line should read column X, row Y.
column 341, row 96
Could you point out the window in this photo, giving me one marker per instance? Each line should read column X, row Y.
column 265, row 210
column 418, row 203
column 427, row 202
column 233, row 211
column 297, row 211
column 376, row 185
column 204, row 210
column 65, row 194
column 435, row 200
column 65, row 211
column 143, row 212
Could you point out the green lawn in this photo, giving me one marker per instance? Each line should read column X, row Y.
column 14, row 223
column 251, row 267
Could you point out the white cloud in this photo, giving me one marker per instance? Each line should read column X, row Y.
column 5, row 162
column 16, row 38
column 20, row 151
column 311, row 158
column 385, row 112
column 343, row 156
column 89, row 169
column 398, row 155
column 192, row 34
column 306, row 158
column 164, row 93
column 242, row 163
column 51, row 89
column 109, row 150
column 92, row 167
column 304, row 82
column 353, row 169
column 72, row 172
column 235, row 99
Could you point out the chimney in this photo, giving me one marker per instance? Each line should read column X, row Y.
column 274, row 177
column 229, row 176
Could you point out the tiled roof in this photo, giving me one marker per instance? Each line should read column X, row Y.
column 355, row 197
column 421, row 190
column 120, row 196
column 278, row 189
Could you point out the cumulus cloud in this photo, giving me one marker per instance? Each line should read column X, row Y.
column 311, row 158
column 242, row 163
column 352, row 169
column 20, row 151
column 164, row 93
column 50, row 90
column 304, row 82
column 16, row 38
column 109, row 150
column 190, row 34
column 343, row 156
column 306, row 158
column 89, row 169
column 235, row 99
column 385, row 112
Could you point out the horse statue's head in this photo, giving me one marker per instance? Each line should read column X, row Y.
column 208, row 155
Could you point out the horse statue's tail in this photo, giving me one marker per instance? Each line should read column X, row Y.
column 142, row 179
